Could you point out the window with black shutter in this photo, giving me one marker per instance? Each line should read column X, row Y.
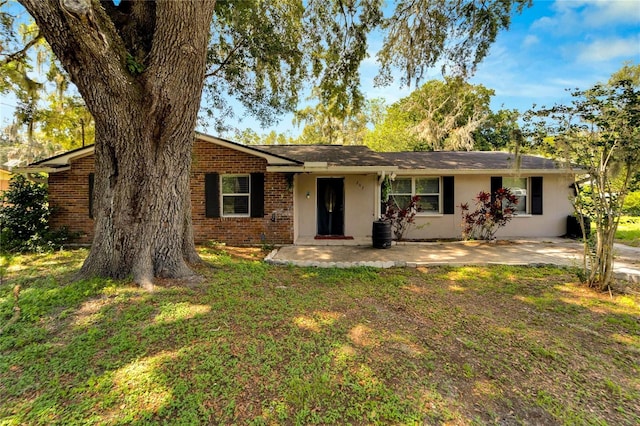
column 536, row 195
column 528, row 190
column 257, row 194
column 448, row 195
column 91, row 179
column 212, row 194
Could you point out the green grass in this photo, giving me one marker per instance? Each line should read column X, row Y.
column 257, row 344
column 628, row 231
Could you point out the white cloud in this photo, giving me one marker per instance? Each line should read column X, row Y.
column 578, row 15
column 604, row 12
column 544, row 23
column 530, row 40
column 607, row 49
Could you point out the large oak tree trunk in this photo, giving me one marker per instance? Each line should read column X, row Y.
column 140, row 206
column 140, row 69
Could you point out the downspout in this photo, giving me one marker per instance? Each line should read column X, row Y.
column 376, row 196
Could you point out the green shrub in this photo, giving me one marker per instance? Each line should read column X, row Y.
column 24, row 219
column 632, row 204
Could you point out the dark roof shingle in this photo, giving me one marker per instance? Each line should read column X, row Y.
column 341, row 155
column 468, row 160
column 334, row 155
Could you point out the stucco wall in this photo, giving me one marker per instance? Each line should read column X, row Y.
column 359, row 209
column 5, row 178
column 552, row 223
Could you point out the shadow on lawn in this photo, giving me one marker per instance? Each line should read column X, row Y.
column 259, row 344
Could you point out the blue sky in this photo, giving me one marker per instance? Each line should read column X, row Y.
column 557, row 45
column 552, row 46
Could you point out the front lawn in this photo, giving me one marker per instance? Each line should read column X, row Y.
column 259, row 344
column 628, row 231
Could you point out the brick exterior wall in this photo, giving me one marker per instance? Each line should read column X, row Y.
column 69, row 197
column 276, row 227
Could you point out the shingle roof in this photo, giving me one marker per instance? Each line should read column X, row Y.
column 356, row 156
column 467, row 160
column 340, row 155
column 334, row 155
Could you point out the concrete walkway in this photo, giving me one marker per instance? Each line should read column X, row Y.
column 548, row 251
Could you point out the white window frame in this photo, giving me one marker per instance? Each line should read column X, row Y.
column 527, row 196
column 242, row 194
column 413, row 193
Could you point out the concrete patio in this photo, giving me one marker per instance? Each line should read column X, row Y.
column 547, row 251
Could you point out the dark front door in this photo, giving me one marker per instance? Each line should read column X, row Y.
column 331, row 206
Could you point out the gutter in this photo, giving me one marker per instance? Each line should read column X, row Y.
column 321, row 166
column 494, row 172
column 41, row 169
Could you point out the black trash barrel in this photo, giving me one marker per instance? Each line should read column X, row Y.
column 381, row 234
column 573, row 227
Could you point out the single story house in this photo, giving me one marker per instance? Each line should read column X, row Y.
column 314, row 194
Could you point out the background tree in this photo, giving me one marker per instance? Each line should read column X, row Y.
column 394, row 132
column 450, row 112
column 49, row 116
column 440, row 115
column 247, row 137
column 141, row 66
column 600, row 132
column 501, row 130
column 322, row 126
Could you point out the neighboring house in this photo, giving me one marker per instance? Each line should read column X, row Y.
column 5, row 177
column 304, row 194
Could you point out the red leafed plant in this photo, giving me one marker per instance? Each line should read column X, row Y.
column 400, row 218
column 490, row 214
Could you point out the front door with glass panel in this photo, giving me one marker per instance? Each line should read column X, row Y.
column 330, row 206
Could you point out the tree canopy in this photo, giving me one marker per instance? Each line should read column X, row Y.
column 440, row 115
column 49, row 114
column 599, row 131
column 263, row 54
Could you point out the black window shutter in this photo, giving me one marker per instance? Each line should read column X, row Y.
column 536, row 195
column 257, row 194
column 448, row 204
column 91, row 178
column 212, row 195
column 496, row 183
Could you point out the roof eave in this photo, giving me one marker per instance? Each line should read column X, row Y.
column 65, row 158
column 272, row 159
column 330, row 169
column 42, row 169
column 494, row 172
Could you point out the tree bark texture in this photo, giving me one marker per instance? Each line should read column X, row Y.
column 601, row 272
column 142, row 80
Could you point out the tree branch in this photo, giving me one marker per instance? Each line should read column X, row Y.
column 225, row 61
column 88, row 47
column 20, row 54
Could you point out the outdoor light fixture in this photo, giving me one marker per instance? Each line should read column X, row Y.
column 308, row 195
